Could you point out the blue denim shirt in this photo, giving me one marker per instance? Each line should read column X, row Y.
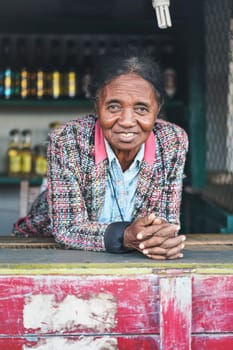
column 125, row 184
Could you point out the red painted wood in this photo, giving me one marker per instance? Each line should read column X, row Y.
column 147, row 312
column 212, row 342
column 140, row 343
column 136, row 301
column 212, row 304
column 118, row 343
column 175, row 313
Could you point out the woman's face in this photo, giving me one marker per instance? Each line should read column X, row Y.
column 127, row 109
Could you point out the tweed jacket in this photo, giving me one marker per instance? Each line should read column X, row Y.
column 77, row 173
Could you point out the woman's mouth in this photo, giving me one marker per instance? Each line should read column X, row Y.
column 126, row 136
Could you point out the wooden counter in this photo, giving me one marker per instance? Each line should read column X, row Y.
column 52, row 298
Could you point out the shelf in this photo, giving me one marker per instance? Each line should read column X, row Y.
column 11, row 180
column 45, row 103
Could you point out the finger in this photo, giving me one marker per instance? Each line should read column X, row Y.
column 162, row 257
column 167, row 240
column 159, row 221
column 148, row 220
column 177, row 256
column 155, row 251
column 163, row 230
column 167, row 230
column 156, row 257
column 152, row 242
column 173, row 242
column 175, row 250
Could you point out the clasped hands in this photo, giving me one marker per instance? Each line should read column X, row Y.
column 155, row 238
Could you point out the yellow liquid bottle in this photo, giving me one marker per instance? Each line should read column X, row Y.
column 26, row 153
column 13, row 154
column 40, row 160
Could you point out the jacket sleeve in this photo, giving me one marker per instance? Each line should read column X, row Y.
column 36, row 223
column 175, row 157
column 68, row 212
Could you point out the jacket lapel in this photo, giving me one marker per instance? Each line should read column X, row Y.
column 99, row 176
column 150, row 184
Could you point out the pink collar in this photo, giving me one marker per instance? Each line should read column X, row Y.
column 100, row 150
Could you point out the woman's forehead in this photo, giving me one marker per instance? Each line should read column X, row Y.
column 128, row 84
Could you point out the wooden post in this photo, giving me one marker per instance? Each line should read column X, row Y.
column 23, row 197
column 175, row 312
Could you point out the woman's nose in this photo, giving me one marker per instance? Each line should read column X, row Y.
column 127, row 117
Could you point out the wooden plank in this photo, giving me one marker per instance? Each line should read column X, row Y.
column 175, row 312
column 212, row 342
column 23, row 198
column 209, row 238
column 210, row 247
column 212, row 304
column 79, row 305
column 31, row 242
column 48, row 242
column 113, row 342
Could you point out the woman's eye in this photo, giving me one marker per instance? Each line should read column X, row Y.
column 114, row 108
column 141, row 110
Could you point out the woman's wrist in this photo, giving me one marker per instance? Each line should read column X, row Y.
column 126, row 242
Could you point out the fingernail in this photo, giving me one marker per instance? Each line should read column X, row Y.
column 157, row 221
column 151, row 216
column 145, row 251
column 141, row 246
column 182, row 247
column 183, row 238
column 181, row 255
column 139, row 235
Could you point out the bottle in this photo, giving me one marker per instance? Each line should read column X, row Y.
column 55, row 67
column 8, row 83
column 23, row 74
column 54, row 125
column 101, row 49
column 13, row 153
column 86, row 70
column 70, row 82
column 40, row 160
column 7, row 70
column 168, row 61
column 26, row 153
column 39, row 63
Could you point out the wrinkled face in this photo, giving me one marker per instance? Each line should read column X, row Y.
column 127, row 108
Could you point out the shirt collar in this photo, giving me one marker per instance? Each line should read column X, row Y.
column 101, row 152
column 111, row 155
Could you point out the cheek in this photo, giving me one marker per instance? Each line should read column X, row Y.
column 148, row 124
column 106, row 119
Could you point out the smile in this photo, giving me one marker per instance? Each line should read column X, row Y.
column 128, row 134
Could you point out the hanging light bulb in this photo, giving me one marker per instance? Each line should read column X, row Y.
column 162, row 13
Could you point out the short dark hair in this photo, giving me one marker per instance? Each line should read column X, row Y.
column 142, row 64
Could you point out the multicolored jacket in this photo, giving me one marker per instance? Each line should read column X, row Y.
column 78, row 168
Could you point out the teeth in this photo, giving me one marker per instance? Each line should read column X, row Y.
column 128, row 134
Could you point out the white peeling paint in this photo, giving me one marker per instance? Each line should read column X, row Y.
column 87, row 343
column 43, row 312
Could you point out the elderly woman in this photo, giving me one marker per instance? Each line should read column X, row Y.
column 115, row 178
